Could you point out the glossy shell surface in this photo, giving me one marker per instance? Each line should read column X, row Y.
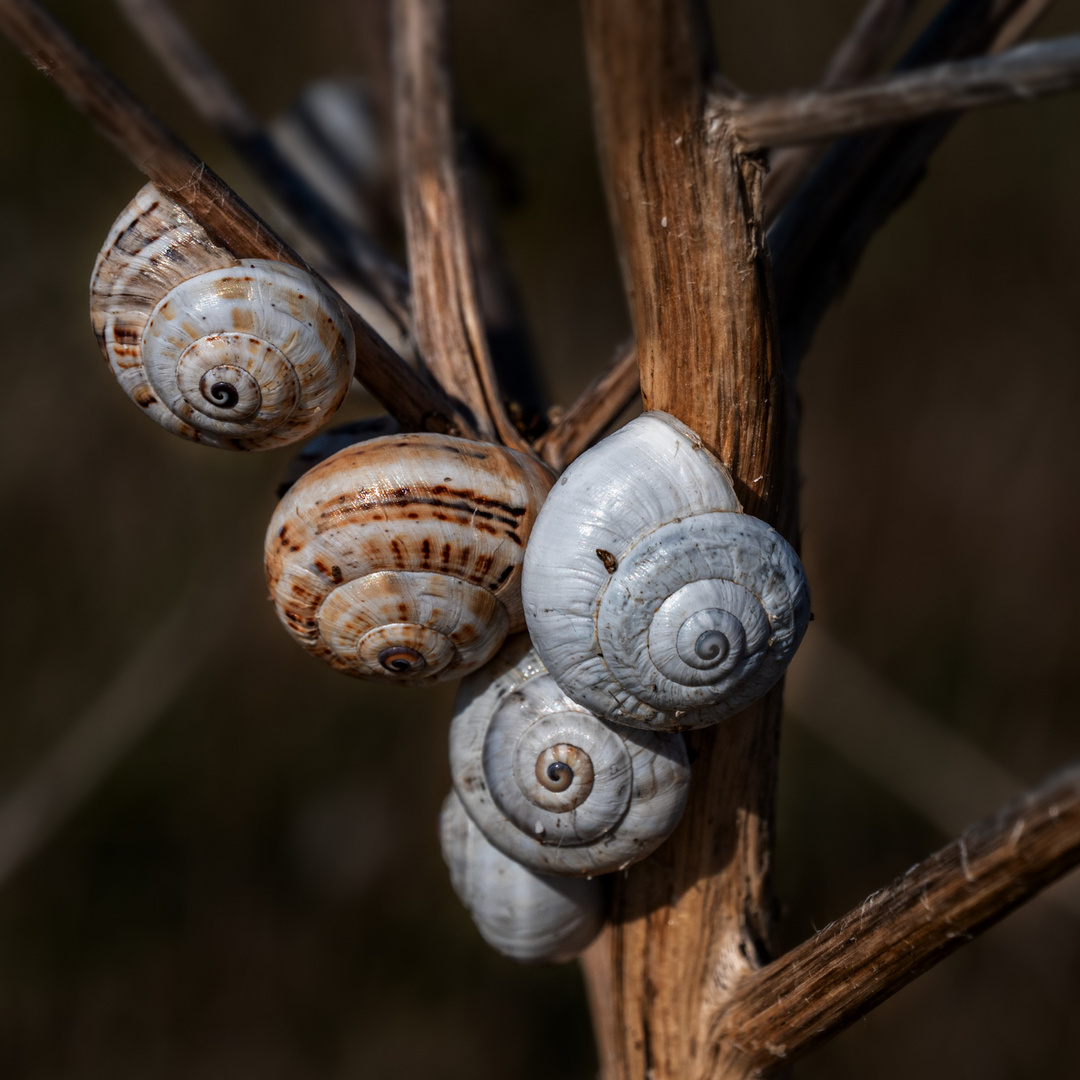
column 528, row 917
column 400, row 557
column 651, row 599
column 239, row 354
column 553, row 786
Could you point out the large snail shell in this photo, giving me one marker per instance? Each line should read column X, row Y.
column 650, row 597
column 400, row 557
column 553, row 786
column 240, row 354
column 526, row 916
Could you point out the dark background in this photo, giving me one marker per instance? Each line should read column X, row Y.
column 255, row 889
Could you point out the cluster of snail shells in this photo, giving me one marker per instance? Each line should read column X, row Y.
column 400, row 557
column 242, row 354
column 556, row 792
column 650, row 597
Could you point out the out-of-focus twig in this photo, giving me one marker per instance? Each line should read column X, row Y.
column 205, row 86
column 860, row 54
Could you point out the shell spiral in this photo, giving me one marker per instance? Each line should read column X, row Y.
column 553, row 786
column 650, row 597
column 400, row 557
column 239, row 354
column 526, row 916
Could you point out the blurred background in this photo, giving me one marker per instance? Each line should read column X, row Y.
column 245, row 879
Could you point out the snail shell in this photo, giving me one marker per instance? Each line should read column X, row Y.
column 553, row 786
column 400, row 557
column 650, row 597
column 242, row 354
column 526, row 916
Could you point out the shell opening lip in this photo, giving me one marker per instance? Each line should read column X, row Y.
column 401, row 660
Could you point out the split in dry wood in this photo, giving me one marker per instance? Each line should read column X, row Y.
column 858, row 56
column 1048, row 67
column 596, row 409
column 794, row 1004
column 416, row 402
column 446, row 308
column 211, row 94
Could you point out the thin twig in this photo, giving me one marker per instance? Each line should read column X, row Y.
column 1048, row 67
column 416, row 402
column 446, row 307
column 597, row 407
column 818, row 240
column 794, row 1004
column 858, row 56
column 133, row 701
column 205, row 86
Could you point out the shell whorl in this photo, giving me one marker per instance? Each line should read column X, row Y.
column 242, row 354
column 650, row 597
column 400, row 557
column 526, row 916
column 553, row 786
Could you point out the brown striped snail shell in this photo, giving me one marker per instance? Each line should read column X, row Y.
column 550, row 784
column 529, row 917
column 400, row 557
column 242, row 354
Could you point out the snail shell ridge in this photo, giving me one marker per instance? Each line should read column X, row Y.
column 241, row 354
column 553, row 786
column 529, row 917
column 400, row 557
column 650, row 597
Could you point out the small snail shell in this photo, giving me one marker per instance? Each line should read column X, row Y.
column 400, row 557
column 526, row 916
column 240, row 354
column 553, row 786
column 650, row 597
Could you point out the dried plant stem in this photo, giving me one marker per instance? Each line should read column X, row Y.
column 599, row 405
column 797, row 1002
column 858, row 56
column 446, row 306
column 1029, row 71
column 688, row 923
column 205, row 86
column 416, row 402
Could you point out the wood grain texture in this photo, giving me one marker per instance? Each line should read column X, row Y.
column 689, row 922
column 415, row 402
column 1048, row 67
column 446, row 307
column 794, row 1004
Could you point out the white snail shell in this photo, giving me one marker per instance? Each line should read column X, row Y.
column 242, row 354
column 650, row 597
column 526, row 916
column 553, row 786
column 400, row 557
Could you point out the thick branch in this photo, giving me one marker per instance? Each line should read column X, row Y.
column 415, row 402
column 596, row 409
column 1048, row 67
column 858, row 56
column 797, row 1002
column 204, row 84
column 690, row 921
column 446, row 308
